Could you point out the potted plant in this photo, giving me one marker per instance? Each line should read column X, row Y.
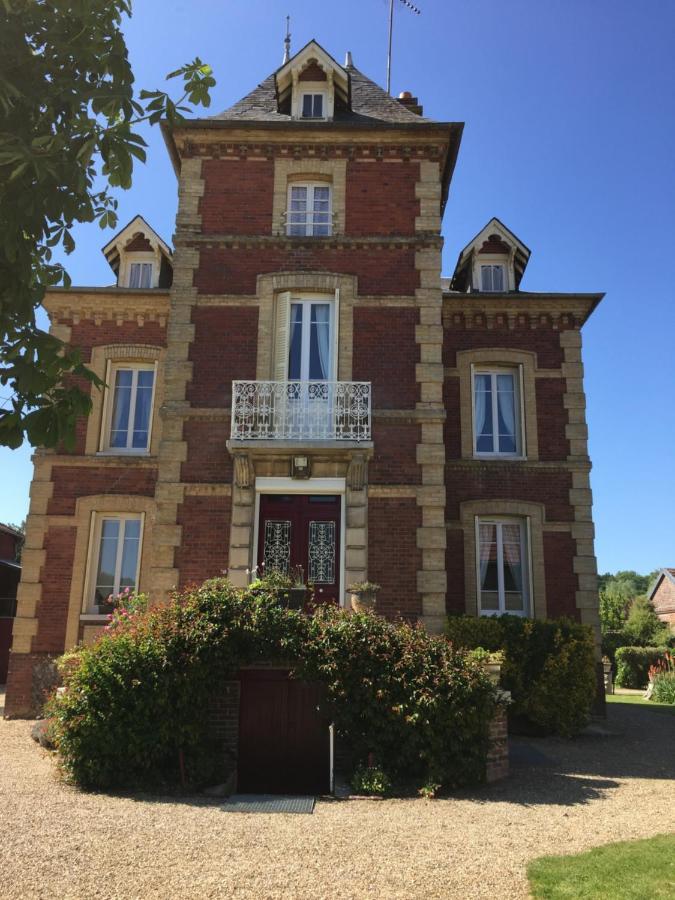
column 297, row 594
column 363, row 595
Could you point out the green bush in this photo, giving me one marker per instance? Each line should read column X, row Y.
column 633, row 664
column 664, row 687
column 549, row 666
column 134, row 709
column 370, row 780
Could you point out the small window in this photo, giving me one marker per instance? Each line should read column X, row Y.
column 140, row 275
column 309, row 210
column 312, row 106
column 496, row 413
column 492, row 278
column 503, row 568
column 117, row 542
column 130, row 418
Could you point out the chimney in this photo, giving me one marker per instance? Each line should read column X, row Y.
column 348, row 60
column 405, row 98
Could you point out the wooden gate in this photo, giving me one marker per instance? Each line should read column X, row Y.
column 284, row 744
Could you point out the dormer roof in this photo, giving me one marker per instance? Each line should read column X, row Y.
column 358, row 100
column 494, row 240
column 136, row 237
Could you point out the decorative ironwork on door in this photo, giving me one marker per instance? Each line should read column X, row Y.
column 322, row 552
column 277, row 550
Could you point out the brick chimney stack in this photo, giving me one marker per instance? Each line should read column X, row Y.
column 406, row 99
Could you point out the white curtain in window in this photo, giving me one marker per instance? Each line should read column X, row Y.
column 511, row 549
column 321, row 315
column 506, row 405
column 486, row 543
column 481, row 397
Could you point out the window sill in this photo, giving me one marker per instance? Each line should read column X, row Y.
column 94, row 618
column 128, row 453
column 499, row 457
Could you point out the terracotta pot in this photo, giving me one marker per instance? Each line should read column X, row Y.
column 363, row 601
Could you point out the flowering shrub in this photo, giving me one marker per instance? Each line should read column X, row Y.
column 662, row 677
column 134, row 709
column 548, row 666
column 125, row 605
column 371, row 780
column 633, row 665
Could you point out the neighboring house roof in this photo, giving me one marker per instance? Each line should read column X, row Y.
column 493, row 237
column 134, row 229
column 10, row 564
column 663, row 573
column 9, row 529
column 367, row 103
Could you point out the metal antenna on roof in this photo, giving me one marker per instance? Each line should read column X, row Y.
column 287, row 40
column 412, row 8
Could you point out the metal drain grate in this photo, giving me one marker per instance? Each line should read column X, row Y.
column 268, row 803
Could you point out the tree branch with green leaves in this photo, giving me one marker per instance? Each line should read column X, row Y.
column 68, row 110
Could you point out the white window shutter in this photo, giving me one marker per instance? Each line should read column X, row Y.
column 336, row 332
column 281, row 336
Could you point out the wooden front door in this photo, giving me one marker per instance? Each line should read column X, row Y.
column 302, row 530
column 284, row 741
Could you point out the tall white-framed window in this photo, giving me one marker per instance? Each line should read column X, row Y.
column 497, row 412
column 313, row 105
column 492, row 278
column 309, row 210
column 310, row 344
column 503, row 566
column 127, row 423
column 140, row 274
column 115, row 557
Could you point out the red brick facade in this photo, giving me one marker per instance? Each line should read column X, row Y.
column 401, row 335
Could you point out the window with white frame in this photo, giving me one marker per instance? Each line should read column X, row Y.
column 116, row 555
column 492, row 278
column 128, row 421
column 503, row 566
column 309, row 210
column 310, row 340
column 313, row 105
column 140, row 275
column 497, row 425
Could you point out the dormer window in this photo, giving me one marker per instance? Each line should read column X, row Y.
column 492, row 278
column 140, row 275
column 313, row 106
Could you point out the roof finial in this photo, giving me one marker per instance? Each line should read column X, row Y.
column 287, row 40
column 348, row 60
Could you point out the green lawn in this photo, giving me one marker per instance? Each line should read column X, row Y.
column 639, row 700
column 634, row 870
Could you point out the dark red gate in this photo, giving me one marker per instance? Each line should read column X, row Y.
column 284, row 740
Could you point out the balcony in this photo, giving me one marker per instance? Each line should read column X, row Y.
column 301, row 411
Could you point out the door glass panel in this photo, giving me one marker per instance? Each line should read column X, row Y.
column 319, row 345
column 132, row 535
column 295, row 350
column 121, row 406
column 277, row 547
column 483, row 413
column 321, row 552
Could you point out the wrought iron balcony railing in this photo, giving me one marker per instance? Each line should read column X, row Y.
column 301, row 411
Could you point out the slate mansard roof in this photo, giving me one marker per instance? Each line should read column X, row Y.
column 370, row 105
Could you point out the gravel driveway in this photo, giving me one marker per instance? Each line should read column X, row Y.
column 562, row 797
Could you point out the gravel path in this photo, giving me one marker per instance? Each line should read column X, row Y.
column 58, row 842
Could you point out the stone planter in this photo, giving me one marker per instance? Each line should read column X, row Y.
column 297, row 597
column 493, row 670
column 363, row 601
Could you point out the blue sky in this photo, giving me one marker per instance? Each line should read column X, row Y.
column 569, row 137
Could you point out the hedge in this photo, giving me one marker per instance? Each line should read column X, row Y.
column 633, row 663
column 549, row 667
column 135, row 704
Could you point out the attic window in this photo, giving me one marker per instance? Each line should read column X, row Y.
column 140, row 275
column 492, row 278
column 313, row 106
